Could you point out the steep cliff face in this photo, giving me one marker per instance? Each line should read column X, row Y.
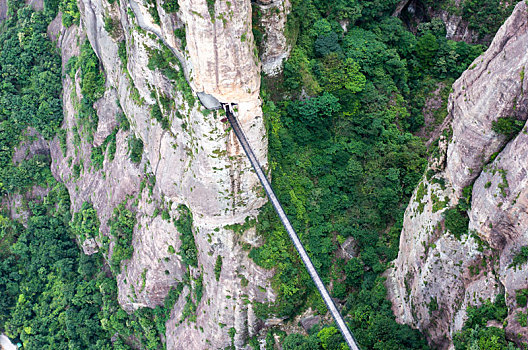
column 193, row 161
column 3, row 10
column 272, row 16
column 221, row 48
column 437, row 275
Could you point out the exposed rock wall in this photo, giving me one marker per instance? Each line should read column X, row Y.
column 493, row 87
column 3, row 10
column 225, row 61
column 275, row 43
column 434, row 267
column 37, row 5
column 220, row 44
column 196, row 162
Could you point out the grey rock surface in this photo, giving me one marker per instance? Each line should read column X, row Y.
column 493, row 87
column 32, row 144
column 457, row 28
column 308, row 322
column 5, row 343
column 435, row 268
column 195, row 162
column 3, row 10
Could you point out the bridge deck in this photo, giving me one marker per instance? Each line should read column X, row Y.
column 349, row 338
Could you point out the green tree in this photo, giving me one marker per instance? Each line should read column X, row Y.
column 327, row 44
column 331, row 339
column 456, row 221
column 339, row 75
column 508, row 126
column 427, row 48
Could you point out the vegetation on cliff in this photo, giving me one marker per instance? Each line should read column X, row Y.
column 343, row 115
column 54, row 296
column 51, row 294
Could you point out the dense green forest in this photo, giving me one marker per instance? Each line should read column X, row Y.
column 52, row 296
column 343, row 115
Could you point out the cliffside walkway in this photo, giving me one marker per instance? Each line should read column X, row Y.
column 349, row 338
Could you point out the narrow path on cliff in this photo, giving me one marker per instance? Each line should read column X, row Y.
column 349, row 338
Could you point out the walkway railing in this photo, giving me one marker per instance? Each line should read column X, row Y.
column 349, row 338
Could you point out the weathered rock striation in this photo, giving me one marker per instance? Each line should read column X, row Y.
column 3, row 10
column 437, row 276
column 456, row 27
column 195, row 162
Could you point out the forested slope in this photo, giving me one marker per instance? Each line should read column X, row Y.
column 52, row 295
column 355, row 91
column 156, row 190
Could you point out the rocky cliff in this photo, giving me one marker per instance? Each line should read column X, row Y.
column 272, row 16
column 439, row 273
column 191, row 165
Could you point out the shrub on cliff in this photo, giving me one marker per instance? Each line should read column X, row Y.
column 184, row 224
column 508, row 126
column 135, row 149
column 85, row 223
column 121, row 229
column 456, row 221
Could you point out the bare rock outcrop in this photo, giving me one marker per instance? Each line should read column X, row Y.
column 500, row 214
column 221, row 46
column 224, row 62
column 275, row 44
column 493, row 87
column 3, row 10
column 436, row 275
